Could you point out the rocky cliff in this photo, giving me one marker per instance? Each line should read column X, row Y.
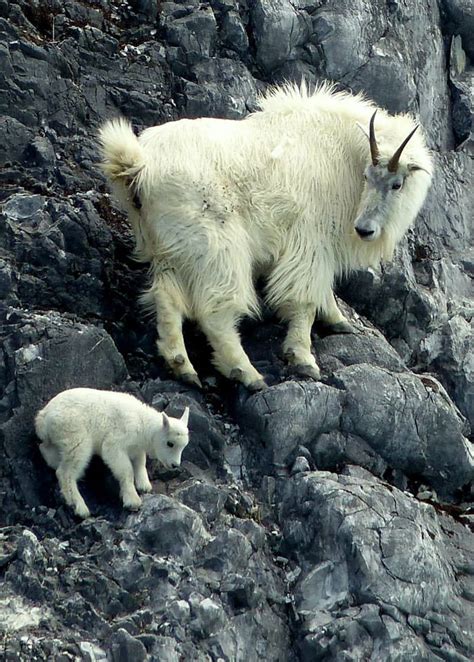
column 312, row 521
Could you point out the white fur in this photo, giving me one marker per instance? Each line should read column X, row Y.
column 82, row 422
column 276, row 194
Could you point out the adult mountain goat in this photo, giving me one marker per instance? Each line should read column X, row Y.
column 295, row 193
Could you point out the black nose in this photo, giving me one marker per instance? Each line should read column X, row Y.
column 364, row 233
column 175, row 466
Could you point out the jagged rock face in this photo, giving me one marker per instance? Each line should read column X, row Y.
column 313, row 521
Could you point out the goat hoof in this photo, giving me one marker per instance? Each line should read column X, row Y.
column 144, row 489
column 340, row 327
column 133, row 504
column 81, row 512
column 306, row 370
column 258, row 385
column 178, row 360
column 236, row 374
column 191, row 379
column 289, row 355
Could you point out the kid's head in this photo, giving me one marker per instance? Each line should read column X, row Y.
column 173, row 440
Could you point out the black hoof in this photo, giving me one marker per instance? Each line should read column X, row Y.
column 236, row 374
column 289, row 355
column 191, row 379
column 305, row 371
column 178, row 360
column 340, row 327
column 258, row 385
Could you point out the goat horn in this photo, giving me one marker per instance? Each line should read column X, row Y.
column 393, row 163
column 374, row 150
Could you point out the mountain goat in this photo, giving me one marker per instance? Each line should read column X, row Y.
column 295, row 193
column 82, row 422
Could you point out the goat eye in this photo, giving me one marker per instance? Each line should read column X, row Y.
column 170, row 444
column 396, row 186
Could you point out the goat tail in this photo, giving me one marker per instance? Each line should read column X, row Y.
column 48, row 450
column 41, row 427
column 122, row 154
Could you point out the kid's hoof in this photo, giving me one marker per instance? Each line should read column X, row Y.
column 340, row 327
column 258, row 385
column 191, row 379
column 306, row 370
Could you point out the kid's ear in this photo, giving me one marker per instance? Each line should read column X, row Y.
column 185, row 416
column 166, row 422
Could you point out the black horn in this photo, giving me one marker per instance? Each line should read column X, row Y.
column 374, row 150
column 392, row 165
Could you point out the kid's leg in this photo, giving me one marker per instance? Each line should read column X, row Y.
column 120, row 465
column 142, row 482
column 70, row 469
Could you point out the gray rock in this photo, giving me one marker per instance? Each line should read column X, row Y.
column 334, row 450
column 91, row 652
column 458, row 19
column 461, row 80
column 286, row 415
column 204, row 498
column 166, row 649
column 65, row 252
column 279, row 29
column 195, row 33
column 223, row 88
column 123, row 648
column 241, row 591
column 233, row 33
column 41, row 152
column 450, row 351
column 209, row 617
column 360, row 569
column 336, row 351
column 180, row 610
column 300, row 465
column 16, row 137
column 413, row 427
column 165, row 527
column 344, row 44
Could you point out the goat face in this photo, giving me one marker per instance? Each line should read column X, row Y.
column 380, row 197
column 383, row 187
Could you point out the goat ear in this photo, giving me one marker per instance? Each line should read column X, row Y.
column 166, row 422
column 413, row 167
column 185, row 416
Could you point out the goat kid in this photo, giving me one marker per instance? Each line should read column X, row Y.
column 82, row 422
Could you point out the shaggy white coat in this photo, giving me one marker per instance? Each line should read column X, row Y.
column 276, row 194
column 81, row 422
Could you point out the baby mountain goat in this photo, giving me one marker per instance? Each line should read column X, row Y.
column 296, row 193
column 82, row 422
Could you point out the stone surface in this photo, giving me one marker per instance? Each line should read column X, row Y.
column 459, row 20
column 368, row 557
column 154, row 581
column 311, row 521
